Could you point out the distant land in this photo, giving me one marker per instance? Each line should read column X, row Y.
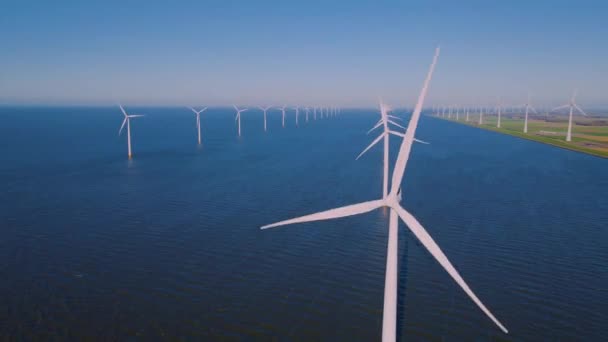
column 589, row 134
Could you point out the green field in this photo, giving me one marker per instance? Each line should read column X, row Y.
column 589, row 135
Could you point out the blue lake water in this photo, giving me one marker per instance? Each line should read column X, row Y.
column 167, row 245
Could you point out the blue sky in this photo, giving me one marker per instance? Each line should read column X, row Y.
column 345, row 53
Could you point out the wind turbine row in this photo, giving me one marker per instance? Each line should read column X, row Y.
column 127, row 120
column 527, row 108
column 392, row 201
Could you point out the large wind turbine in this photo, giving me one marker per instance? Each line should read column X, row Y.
column 198, row 121
column 391, row 201
column 265, row 109
column 528, row 108
column 307, row 110
column 572, row 105
column 127, row 121
column 238, row 116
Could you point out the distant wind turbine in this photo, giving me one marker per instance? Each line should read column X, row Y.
column 498, row 108
column 307, row 110
column 297, row 114
column 265, row 109
column 572, row 105
column 385, row 119
column 528, row 108
column 283, row 111
column 396, row 210
column 198, row 121
column 480, row 115
column 127, row 121
column 238, row 116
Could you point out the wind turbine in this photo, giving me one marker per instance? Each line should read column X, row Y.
column 391, row 201
column 467, row 113
column 314, row 112
column 499, row 109
column 307, row 110
column 198, row 121
column 238, row 116
column 297, row 114
column 283, row 111
column 385, row 119
column 480, row 115
column 572, row 105
column 265, row 109
column 127, row 121
column 528, row 107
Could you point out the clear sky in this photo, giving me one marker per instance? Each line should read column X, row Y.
column 342, row 52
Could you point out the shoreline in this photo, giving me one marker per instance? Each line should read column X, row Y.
column 532, row 137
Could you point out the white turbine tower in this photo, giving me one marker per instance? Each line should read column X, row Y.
column 127, row 121
column 392, row 202
column 265, row 109
column 198, row 121
column 467, row 113
column 307, row 110
column 314, row 113
column 528, row 108
column 238, row 116
column 572, row 105
column 499, row 109
column 283, row 111
column 297, row 114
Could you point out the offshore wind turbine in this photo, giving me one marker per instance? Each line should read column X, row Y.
column 480, row 115
column 198, row 121
column 307, row 111
column 572, row 105
column 314, row 111
column 528, row 108
column 265, row 109
column 391, row 201
column 238, row 116
column 283, row 111
column 297, row 114
column 385, row 119
column 127, row 121
column 467, row 113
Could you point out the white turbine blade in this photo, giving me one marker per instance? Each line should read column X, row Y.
column 123, row 110
column 349, row 210
column 194, row 110
column 579, row 109
column 380, row 123
column 202, row 110
column 399, row 134
column 423, row 236
column 560, row 107
column 532, row 109
column 123, row 125
column 406, row 145
column 421, row 141
column 235, row 108
column 396, row 124
column 370, row 145
column 136, row 115
column 394, row 117
column 237, row 116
